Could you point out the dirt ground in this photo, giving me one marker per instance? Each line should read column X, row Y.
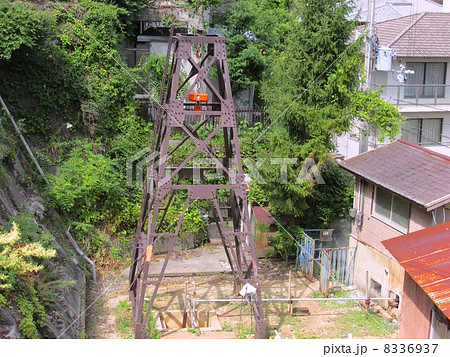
column 235, row 318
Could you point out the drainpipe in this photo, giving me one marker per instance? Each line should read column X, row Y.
column 19, row 133
column 84, row 256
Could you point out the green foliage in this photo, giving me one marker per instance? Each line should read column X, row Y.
column 151, row 67
column 127, row 10
column 243, row 332
column 30, row 231
column 124, row 319
column 255, row 30
column 192, row 221
column 335, row 293
column 203, row 4
column 88, row 185
column 22, row 26
column 38, row 82
column 226, row 327
column 30, row 307
column 16, row 258
column 90, row 33
column 382, row 117
column 314, row 75
column 330, row 202
column 257, row 194
column 307, row 71
column 18, row 273
column 195, row 331
column 152, row 331
column 286, row 241
column 362, row 324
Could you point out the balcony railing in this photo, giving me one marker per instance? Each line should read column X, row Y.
column 415, row 94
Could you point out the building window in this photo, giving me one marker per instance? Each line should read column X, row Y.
column 426, row 131
column 426, row 74
column 391, row 209
column 375, row 286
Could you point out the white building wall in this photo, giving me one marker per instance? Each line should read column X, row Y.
column 349, row 144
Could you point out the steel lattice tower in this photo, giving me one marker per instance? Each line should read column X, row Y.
column 202, row 123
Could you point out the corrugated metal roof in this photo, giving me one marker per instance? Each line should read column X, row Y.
column 261, row 215
column 413, row 172
column 425, row 255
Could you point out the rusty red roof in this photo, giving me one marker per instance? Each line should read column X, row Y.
column 425, row 255
column 409, row 170
column 262, row 216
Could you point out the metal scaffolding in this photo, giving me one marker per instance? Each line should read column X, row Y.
column 194, row 110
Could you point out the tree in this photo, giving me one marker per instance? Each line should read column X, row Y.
column 254, row 30
column 310, row 87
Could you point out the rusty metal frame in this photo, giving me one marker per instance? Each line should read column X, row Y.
column 163, row 180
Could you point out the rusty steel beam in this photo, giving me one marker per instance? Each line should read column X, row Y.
column 170, row 165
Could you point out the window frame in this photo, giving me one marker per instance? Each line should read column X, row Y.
column 420, row 137
column 420, row 92
column 388, row 220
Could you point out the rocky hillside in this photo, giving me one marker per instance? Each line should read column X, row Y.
column 54, row 299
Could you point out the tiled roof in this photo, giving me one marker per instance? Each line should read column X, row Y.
column 388, row 31
column 392, row 9
column 422, row 36
column 415, row 173
column 425, row 255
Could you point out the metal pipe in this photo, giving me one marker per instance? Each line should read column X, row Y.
column 24, row 142
column 295, row 299
column 80, row 252
column 289, row 293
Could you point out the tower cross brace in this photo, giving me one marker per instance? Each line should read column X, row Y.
column 208, row 132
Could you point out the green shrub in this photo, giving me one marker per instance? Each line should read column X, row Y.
column 286, row 241
column 88, row 186
column 18, row 274
column 21, row 26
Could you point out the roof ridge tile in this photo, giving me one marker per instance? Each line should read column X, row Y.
column 407, row 29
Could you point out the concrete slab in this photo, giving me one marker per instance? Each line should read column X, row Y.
column 205, row 261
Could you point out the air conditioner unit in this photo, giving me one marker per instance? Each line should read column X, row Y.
column 326, row 235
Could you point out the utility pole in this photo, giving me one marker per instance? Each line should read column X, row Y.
column 368, row 66
column 369, row 44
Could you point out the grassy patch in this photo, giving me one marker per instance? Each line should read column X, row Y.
column 152, row 331
column 361, row 324
column 338, row 293
column 195, row 331
column 244, row 332
column 124, row 319
column 226, row 327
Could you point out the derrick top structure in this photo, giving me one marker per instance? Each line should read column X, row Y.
column 195, row 156
column 204, row 54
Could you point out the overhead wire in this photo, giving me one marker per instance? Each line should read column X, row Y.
column 159, row 104
column 122, row 273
